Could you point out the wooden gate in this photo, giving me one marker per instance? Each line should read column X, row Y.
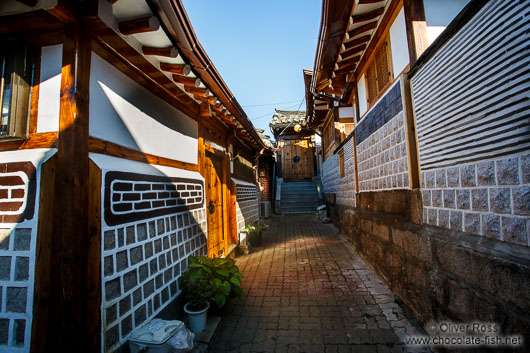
column 214, row 204
column 297, row 160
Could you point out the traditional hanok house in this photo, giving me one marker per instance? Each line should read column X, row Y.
column 296, row 153
column 432, row 187
column 122, row 153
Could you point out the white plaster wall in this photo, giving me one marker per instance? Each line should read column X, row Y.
column 398, row 44
column 361, row 91
column 346, row 112
column 124, row 112
column 50, row 88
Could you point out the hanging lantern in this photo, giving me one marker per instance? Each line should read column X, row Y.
column 297, row 128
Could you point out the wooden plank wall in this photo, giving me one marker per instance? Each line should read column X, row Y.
column 471, row 98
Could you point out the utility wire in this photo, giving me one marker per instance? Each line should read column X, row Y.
column 271, row 113
column 264, row 105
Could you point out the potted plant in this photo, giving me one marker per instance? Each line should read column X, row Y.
column 254, row 231
column 210, row 280
column 199, row 293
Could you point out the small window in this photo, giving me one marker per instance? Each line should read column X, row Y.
column 341, row 163
column 379, row 73
column 17, row 60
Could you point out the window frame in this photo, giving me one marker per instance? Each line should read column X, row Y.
column 22, row 78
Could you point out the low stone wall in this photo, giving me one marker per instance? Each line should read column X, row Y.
column 439, row 273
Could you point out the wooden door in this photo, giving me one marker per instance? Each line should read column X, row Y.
column 214, row 204
column 297, row 160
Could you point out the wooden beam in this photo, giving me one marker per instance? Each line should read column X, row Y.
column 34, row 106
column 203, row 92
column 187, row 81
column 356, row 50
column 67, row 322
column 355, row 42
column 410, row 132
column 365, row 2
column 169, row 52
column 349, row 62
column 112, row 149
column 39, row 140
column 139, row 25
column 207, row 100
column 179, row 69
column 361, row 29
column 43, row 256
column 416, row 27
column 368, row 16
column 206, row 110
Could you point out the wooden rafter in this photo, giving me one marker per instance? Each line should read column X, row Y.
column 139, row 25
column 348, row 62
column 353, row 51
column 169, row 52
column 178, row 69
column 208, row 100
column 187, row 81
column 355, row 42
column 368, row 15
column 203, row 92
column 361, row 29
column 364, row 2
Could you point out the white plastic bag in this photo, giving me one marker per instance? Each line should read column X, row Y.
column 182, row 340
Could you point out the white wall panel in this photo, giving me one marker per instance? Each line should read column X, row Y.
column 50, row 88
column 398, row 44
column 124, row 112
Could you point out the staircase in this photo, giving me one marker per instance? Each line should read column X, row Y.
column 298, row 197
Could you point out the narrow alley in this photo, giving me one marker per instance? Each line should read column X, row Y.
column 308, row 291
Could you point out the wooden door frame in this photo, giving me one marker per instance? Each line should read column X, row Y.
column 225, row 179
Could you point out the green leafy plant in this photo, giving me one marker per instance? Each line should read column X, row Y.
column 256, row 227
column 221, row 273
column 198, row 290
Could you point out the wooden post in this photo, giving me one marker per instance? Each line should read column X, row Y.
column 67, row 320
column 410, row 131
column 416, row 28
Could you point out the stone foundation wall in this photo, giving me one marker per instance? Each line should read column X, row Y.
column 439, row 273
column 343, row 188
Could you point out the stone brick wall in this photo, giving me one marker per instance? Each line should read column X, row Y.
column 489, row 198
column 343, row 188
column 152, row 224
column 247, row 203
column 19, row 188
column 381, row 145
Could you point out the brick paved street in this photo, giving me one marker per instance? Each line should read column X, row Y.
column 306, row 291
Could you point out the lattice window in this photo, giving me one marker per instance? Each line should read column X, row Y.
column 379, row 73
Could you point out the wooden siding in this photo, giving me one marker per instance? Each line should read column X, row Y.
column 471, row 99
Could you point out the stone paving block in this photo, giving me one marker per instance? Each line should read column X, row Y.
column 306, row 291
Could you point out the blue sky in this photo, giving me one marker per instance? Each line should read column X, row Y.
column 260, row 49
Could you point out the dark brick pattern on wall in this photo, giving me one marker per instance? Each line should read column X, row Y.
column 244, row 193
column 143, row 260
column 133, row 197
column 387, row 108
column 17, row 191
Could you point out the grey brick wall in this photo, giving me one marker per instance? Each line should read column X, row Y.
column 143, row 260
column 247, row 204
column 488, row 197
column 382, row 158
column 344, row 188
